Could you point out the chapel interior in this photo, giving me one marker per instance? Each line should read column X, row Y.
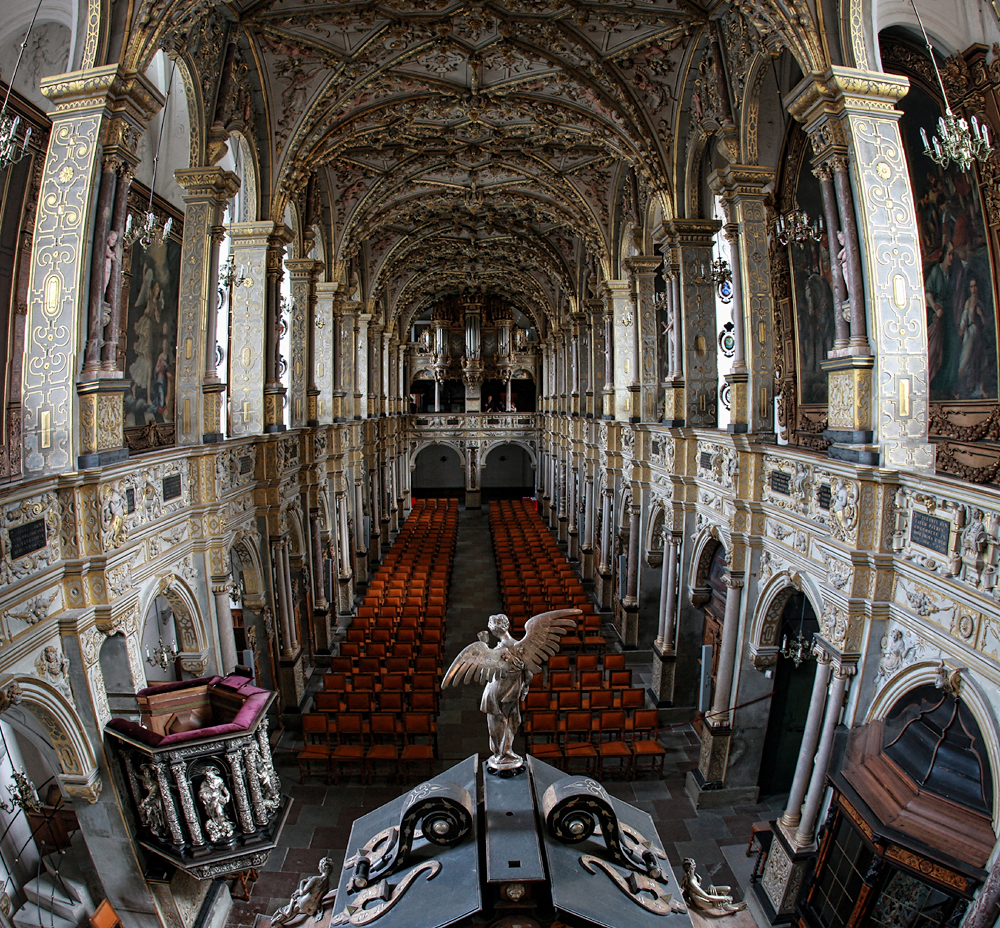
column 332, row 327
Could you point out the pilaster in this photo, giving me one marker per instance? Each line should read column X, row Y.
column 248, row 344
column 207, row 190
column 329, row 393
column 302, row 273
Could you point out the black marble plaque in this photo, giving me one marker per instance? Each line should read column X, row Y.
column 27, row 538
column 171, row 487
column 246, row 464
column 930, row 532
column 823, row 496
column 705, row 461
column 781, row 482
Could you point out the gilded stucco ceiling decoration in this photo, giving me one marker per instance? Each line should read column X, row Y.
column 445, row 122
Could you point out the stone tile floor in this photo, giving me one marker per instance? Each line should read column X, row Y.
column 320, row 820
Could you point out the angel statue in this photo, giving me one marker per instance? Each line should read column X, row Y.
column 507, row 669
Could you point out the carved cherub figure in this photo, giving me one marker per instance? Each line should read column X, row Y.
column 507, row 669
column 710, row 899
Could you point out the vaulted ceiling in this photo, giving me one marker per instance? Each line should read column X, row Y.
column 475, row 145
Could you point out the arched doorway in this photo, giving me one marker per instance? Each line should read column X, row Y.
column 507, row 472
column 790, row 702
column 438, row 471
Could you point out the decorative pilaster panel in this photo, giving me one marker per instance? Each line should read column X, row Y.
column 694, row 241
column 361, row 367
column 649, row 380
column 302, row 273
column 324, row 333
column 891, row 253
column 745, row 184
column 207, row 192
column 349, row 353
column 247, row 339
column 618, row 304
column 58, row 289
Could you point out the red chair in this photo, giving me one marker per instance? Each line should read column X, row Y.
column 349, row 750
column 578, row 748
column 542, row 739
column 384, row 746
column 420, row 747
column 317, row 749
column 612, row 745
column 645, row 744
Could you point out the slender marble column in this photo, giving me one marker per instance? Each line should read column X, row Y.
column 810, row 738
column 319, row 595
column 281, row 593
column 806, row 833
column 855, row 281
column 224, row 618
column 291, row 598
column 825, row 176
column 606, row 529
column 345, row 559
column 668, row 592
column 727, row 652
column 632, row 573
column 587, row 544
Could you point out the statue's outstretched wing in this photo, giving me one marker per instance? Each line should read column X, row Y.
column 543, row 635
column 477, row 663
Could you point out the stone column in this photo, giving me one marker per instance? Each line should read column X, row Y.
column 825, row 177
column 274, row 390
column 196, row 383
column 806, row 832
column 58, row 428
column 630, row 605
column 302, row 388
column 664, row 650
column 608, row 393
column 248, row 353
column 284, row 603
column 878, row 410
column 673, row 401
column 321, row 608
column 573, row 505
column 647, row 335
column 695, row 240
column 727, row 652
column 625, row 385
column 587, row 543
column 127, row 162
column 224, row 617
column 374, row 352
column 361, row 406
column 329, row 341
column 792, row 815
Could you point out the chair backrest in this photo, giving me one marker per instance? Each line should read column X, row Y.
column 364, row 682
column 602, row 699
column 591, row 680
column 335, row 682
column 105, row 916
column 614, row 662
column 383, row 723
column 586, row 662
column 314, row 726
column 633, row 698
column 328, row 702
column 612, row 721
column 621, row 679
column 389, row 701
column 645, row 720
column 561, row 680
column 570, row 699
column 423, row 700
column 545, row 723
column 417, row 723
column 349, row 724
column 578, row 723
column 559, row 662
column 360, row 701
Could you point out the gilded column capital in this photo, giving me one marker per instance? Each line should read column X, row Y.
column 212, row 184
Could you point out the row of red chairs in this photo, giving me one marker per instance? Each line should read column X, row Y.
column 596, row 741
column 378, row 701
column 360, row 745
column 533, row 574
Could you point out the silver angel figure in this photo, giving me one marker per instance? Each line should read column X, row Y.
column 507, row 669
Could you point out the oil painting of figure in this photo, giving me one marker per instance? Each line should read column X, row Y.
column 150, row 354
column 958, row 281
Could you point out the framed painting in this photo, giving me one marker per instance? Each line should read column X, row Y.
column 151, row 334
column 958, row 276
column 812, row 297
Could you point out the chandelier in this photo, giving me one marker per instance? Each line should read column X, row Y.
column 162, row 655
column 12, row 148
column 800, row 647
column 957, row 144
column 154, row 229
column 720, row 274
column 796, row 226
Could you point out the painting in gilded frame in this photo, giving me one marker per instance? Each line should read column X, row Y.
column 812, row 297
column 958, row 276
column 151, row 333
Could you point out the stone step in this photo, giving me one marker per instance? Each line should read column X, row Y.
column 59, row 896
column 66, row 867
column 31, row 915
